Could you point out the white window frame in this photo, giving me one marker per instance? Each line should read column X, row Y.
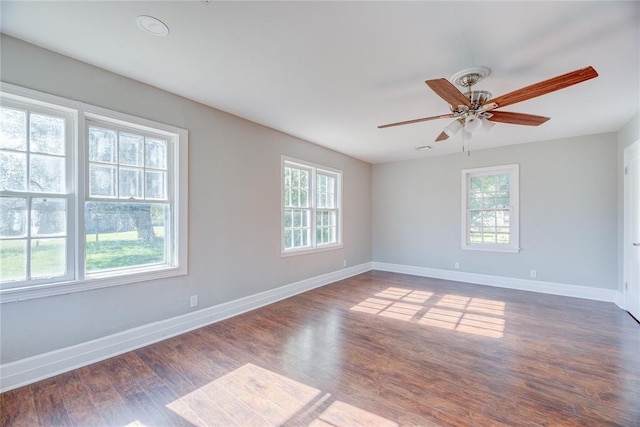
column 71, row 118
column 78, row 280
column 314, row 169
column 513, row 170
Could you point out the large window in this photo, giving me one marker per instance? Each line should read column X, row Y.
column 88, row 197
column 34, row 200
column 490, row 209
column 311, row 215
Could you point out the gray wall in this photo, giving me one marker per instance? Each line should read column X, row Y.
column 234, row 210
column 568, row 217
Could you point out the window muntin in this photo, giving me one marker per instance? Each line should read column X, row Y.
column 311, row 207
column 34, row 162
column 490, row 209
column 45, row 196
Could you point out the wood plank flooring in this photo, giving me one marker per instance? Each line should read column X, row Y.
column 378, row 349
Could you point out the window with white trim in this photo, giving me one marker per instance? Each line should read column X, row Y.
column 88, row 197
column 35, row 157
column 128, row 211
column 311, row 200
column 490, row 203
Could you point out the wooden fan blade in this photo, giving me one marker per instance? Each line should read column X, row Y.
column 543, row 87
column 442, row 137
column 517, row 118
column 447, row 91
column 424, row 119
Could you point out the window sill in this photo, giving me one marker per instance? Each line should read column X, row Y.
column 295, row 252
column 484, row 248
column 52, row 289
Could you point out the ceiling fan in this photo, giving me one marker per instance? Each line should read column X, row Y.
column 475, row 109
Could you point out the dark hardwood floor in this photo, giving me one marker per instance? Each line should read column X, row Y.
column 378, row 349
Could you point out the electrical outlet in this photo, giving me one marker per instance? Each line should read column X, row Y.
column 456, row 266
column 344, row 263
column 534, row 274
column 193, row 301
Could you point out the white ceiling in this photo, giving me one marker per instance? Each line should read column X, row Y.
column 330, row 72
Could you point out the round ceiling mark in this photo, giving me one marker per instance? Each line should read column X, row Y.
column 153, row 26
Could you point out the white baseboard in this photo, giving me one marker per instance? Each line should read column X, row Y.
column 620, row 300
column 585, row 292
column 36, row 368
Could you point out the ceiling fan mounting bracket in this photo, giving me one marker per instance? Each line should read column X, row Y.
column 469, row 76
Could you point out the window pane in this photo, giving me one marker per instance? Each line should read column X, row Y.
column 46, row 134
column 295, row 178
column 476, row 201
column 297, row 220
column 503, row 182
column 121, row 235
column 488, row 218
column 322, row 183
column 47, row 174
column 304, row 199
column 503, row 239
column 475, row 184
column 102, row 180
column 48, row 217
column 130, row 183
column 475, row 238
column 13, row 258
column 131, row 149
column 13, row 171
column 288, row 221
column 13, row 129
column 48, row 258
column 502, row 203
column 475, row 218
column 13, row 216
column 288, row 241
column 155, row 153
column 295, row 198
column 102, row 145
column 488, row 183
column 287, row 177
column 331, row 200
column 297, row 238
column 489, row 201
column 304, row 179
column 502, row 218
column 155, row 187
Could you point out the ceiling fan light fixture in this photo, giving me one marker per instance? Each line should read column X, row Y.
column 472, row 123
column 453, row 128
column 487, row 125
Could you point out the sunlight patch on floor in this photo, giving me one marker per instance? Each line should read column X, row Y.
column 454, row 312
column 254, row 396
column 343, row 415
